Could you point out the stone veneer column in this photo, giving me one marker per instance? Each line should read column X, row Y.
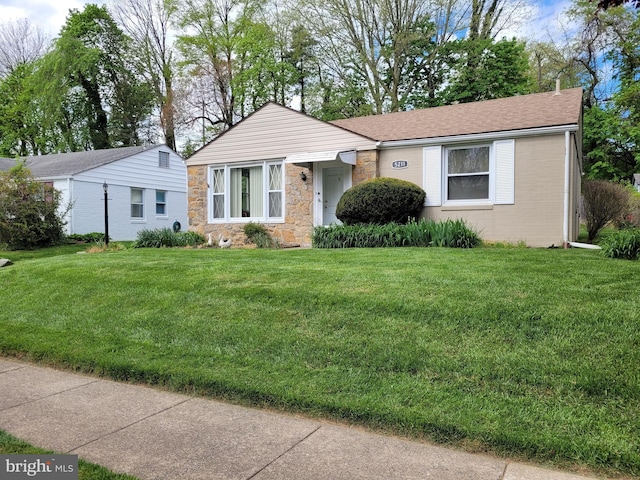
column 197, row 197
column 298, row 222
column 366, row 166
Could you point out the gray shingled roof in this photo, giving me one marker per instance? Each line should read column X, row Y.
column 503, row 114
column 68, row 164
column 6, row 164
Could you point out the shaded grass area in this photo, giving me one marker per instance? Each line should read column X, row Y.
column 522, row 352
column 86, row 470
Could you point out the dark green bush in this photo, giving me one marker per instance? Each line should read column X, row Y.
column 424, row 233
column 622, row 244
column 30, row 214
column 381, row 201
column 166, row 237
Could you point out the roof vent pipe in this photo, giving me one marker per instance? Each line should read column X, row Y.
column 557, row 86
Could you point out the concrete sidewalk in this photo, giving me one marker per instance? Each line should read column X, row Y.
column 154, row 434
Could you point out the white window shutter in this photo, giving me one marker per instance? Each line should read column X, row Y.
column 505, row 172
column 432, row 181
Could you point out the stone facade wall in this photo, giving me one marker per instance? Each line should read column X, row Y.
column 298, row 225
column 296, row 229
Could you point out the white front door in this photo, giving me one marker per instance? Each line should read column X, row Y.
column 330, row 181
column 332, row 189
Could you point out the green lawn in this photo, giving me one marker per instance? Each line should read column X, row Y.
column 86, row 470
column 530, row 353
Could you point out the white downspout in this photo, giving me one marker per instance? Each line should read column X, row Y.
column 567, row 169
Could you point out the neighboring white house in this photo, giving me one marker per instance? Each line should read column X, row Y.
column 147, row 188
column 636, row 181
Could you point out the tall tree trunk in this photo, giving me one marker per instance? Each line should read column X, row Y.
column 98, row 130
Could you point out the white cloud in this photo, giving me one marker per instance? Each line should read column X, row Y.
column 49, row 15
column 542, row 21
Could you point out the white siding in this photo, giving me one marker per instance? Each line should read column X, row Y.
column 140, row 171
column 63, row 186
column 433, row 175
column 505, row 173
column 88, row 210
column 275, row 132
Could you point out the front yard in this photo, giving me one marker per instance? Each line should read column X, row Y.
column 523, row 352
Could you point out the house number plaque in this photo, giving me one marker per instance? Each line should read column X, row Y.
column 399, row 164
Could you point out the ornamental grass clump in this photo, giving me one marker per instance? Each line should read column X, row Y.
column 623, row 244
column 166, row 237
column 258, row 235
column 424, row 233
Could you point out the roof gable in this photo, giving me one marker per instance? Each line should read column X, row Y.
column 503, row 114
column 275, row 131
column 72, row 163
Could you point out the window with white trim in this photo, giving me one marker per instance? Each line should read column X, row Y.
column 137, row 203
column 253, row 191
column 161, row 203
column 467, row 173
column 275, row 190
column 217, row 189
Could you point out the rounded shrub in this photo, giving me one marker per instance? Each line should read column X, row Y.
column 380, row 201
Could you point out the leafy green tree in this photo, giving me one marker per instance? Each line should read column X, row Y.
column 237, row 58
column 149, row 25
column 30, row 214
column 626, row 100
column 20, row 126
column 548, row 62
column 609, row 42
column 90, row 85
column 484, row 69
column 302, row 56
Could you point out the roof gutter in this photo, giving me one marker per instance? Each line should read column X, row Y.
column 474, row 137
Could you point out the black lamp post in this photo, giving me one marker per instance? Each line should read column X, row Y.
column 105, row 187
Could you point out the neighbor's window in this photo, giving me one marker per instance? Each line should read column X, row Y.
column 47, row 191
column 251, row 191
column 468, row 173
column 163, row 159
column 161, row 202
column 137, row 203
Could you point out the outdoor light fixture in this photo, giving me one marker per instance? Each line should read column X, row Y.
column 105, row 187
column 303, row 176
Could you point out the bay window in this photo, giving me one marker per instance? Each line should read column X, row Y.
column 247, row 192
